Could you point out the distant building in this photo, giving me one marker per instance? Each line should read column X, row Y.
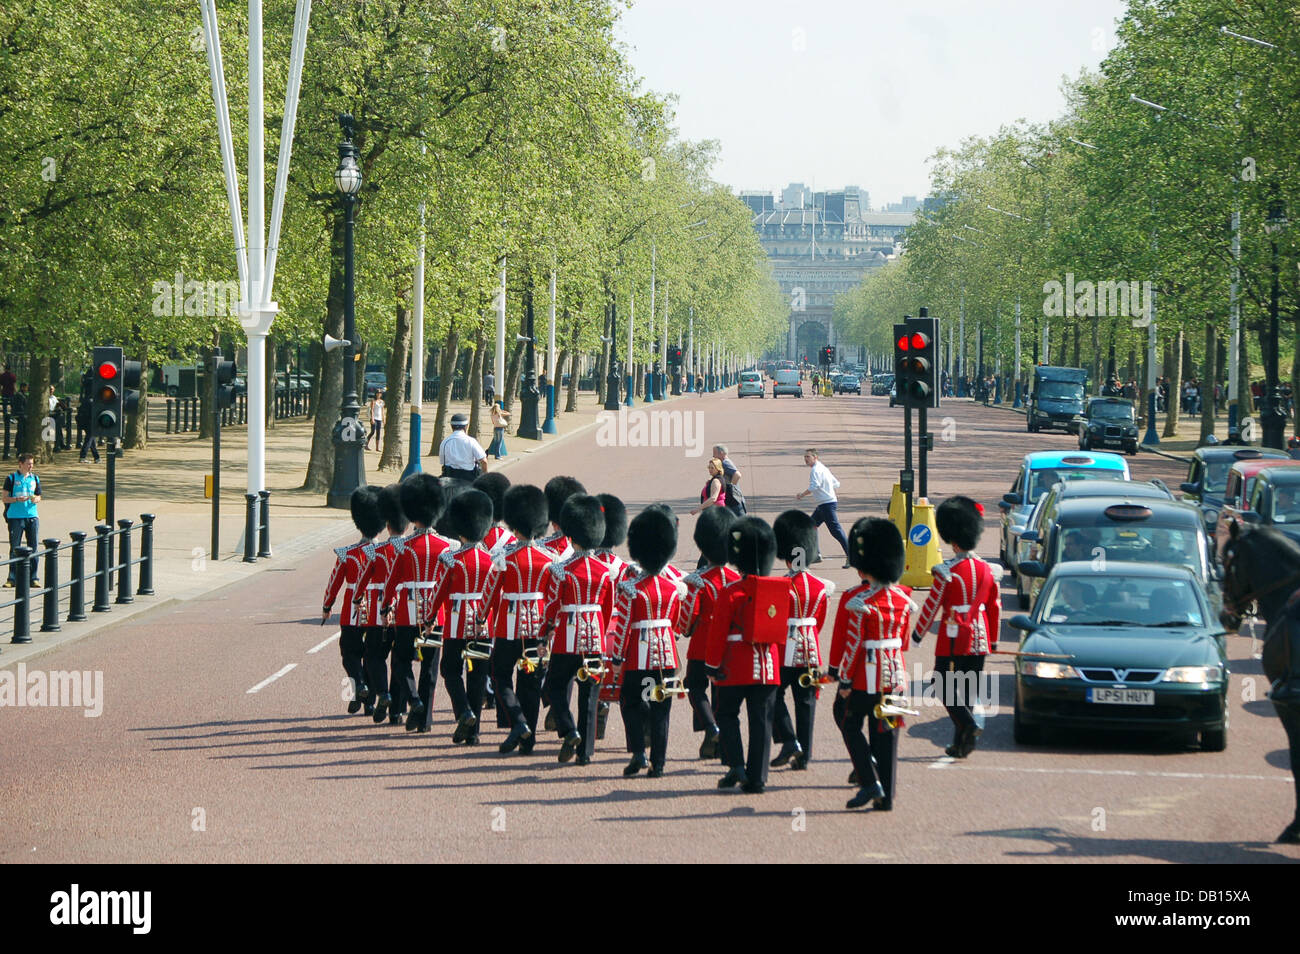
column 910, row 203
column 821, row 244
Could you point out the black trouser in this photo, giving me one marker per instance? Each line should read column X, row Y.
column 352, row 649
column 378, row 644
column 457, row 472
column 698, row 690
column 519, row 692
column 427, row 683
column 877, row 761
column 636, row 705
column 560, row 675
column 828, row 513
column 376, row 427
column 958, row 681
column 402, row 685
column 805, row 709
column 758, row 701
column 1290, row 716
column 465, row 691
column 88, row 447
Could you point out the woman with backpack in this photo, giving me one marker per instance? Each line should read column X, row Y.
column 714, row 492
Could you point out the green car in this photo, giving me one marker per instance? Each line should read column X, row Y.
column 1134, row 649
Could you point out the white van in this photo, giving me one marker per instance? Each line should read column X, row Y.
column 787, row 382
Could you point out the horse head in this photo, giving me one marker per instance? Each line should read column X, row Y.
column 1260, row 566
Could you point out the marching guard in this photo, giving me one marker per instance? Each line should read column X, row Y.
column 801, row 663
column 872, row 627
column 749, row 625
column 348, row 566
column 515, row 598
column 643, row 635
column 498, row 536
column 558, row 491
column 579, row 603
column 379, row 638
column 966, row 601
column 459, row 593
column 711, row 535
column 615, row 536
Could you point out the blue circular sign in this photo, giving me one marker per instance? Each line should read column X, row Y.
column 919, row 535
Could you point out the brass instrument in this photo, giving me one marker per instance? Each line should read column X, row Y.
column 593, row 667
column 530, row 660
column 477, row 649
column 428, row 639
column 891, row 708
column 671, row 686
column 813, row 677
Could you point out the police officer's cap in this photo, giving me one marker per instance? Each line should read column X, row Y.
column 459, row 420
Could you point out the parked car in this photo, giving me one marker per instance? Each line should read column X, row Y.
column 375, row 381
column 1239, row 491
column 1109, row 422
column 1141, row 650
column 751, row 383
column 787, row 382
column 1207, row 476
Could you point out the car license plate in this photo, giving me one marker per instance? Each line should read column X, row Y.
column 1123, row 697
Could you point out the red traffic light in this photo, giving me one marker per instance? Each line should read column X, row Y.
column 108, row 371
column 903, row 343
column 920, row 341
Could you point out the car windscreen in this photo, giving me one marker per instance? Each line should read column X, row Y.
column 1286, row 504
column 1135, row 542
column 1041, row 480
column 1112, row 412
column 1059, row 391
column 1216, row 475
column 1118, row 600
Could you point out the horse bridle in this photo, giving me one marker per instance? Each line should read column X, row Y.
column 1239, row 604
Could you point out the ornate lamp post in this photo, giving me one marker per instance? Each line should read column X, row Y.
column 528, row 393
column 1273, row 416
column 349, row 435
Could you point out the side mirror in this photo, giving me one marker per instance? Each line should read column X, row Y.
column 1022, row 622
column 1014, row 500
column 1192, row 489
column 1216, row 571
column 1004, row 506
column 1031, row 568
column 1030, row 536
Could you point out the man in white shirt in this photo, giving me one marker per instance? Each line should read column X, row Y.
column 822, row 484
column 460, row 454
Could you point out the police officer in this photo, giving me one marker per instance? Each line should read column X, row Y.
column 460, row 454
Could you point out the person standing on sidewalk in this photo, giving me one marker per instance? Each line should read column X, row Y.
column 376, row 420
column 22, row 492
column 88, row 445
column 821, row 485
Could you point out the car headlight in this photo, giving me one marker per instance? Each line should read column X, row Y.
column 1193, row 674
column 1211, row 515
column 1132, row 429
column 1048, row 670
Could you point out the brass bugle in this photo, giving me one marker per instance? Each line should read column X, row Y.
column 813, row 677
column 478, row 649
column 671, row 686
column 593, row 667
column 430, row 640
column 530, row 660
column 893, row 706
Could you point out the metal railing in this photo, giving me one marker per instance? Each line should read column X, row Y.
column 19, row 566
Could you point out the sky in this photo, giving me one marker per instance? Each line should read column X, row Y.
column 837, row 92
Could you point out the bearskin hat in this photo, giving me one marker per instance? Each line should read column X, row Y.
column 559, row 490
column 365, row 511
column 666, row 509
column 959, row 522
column 652, row 539
column 582, row 521
column 471, row 515
column 876, row 547
column 752, row 547
column 711, row 533
column 795, row 534
column 495, row 486
column 422, row 498
column 390, row 506
column 524, row 507
column 615, row 521
column 452, row 487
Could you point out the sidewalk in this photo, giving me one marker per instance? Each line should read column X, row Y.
column 166, row 479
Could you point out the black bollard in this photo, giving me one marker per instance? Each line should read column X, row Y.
column 264, row 526
column 77, row 579
column 124, row 554
column 22, row 596
column 250, row 527
column 167, row 409
column 101, row 570
column 50, row 609
column 146, row 555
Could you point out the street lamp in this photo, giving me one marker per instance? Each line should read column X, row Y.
column 612, row 379
column 528, row 393
column 1273, row 421
column 348, row 436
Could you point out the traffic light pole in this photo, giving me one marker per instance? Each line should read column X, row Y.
column 214, row 551
column 110, row 501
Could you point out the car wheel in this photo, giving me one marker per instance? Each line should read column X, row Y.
column 1083, row 442
column 1025, row 734
column 1022, row 598
column 1214, row 740
column 1132, row 449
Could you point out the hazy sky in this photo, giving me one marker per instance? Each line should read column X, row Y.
column 837, row 92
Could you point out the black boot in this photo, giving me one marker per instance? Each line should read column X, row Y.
column 789, row 749
column 871, row 793
column 381, row 708
column 1291, row 834
column 968, row 743
column 415, row 717
column 709, row 747
column 570, row 746
column 958, row 738
column 735, row 776
column 634, row 766
column 517, row 735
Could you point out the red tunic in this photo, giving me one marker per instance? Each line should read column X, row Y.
column 840, row 630
column 579, row 603
column 516, row 592
column 876, row 624
column 497, row 539
column 460, row 592
column 742, row 663
column 617, row 565
column 370, row 585
column 966, row 600
column 349, row 564
column 558, row 544
column 648, row 618
column 809, row 601
column 701, row 592
column 414, row 576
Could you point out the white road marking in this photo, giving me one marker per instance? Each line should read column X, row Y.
column 270, row 679
column 321, row 645
column 1126, row 772
column 942, row 762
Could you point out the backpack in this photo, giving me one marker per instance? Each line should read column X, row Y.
column 734, row 500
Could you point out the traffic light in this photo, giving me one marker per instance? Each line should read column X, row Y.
column 675, row 355
column 225, row 372
column 917, row 349
column 902, row 368
column 131, row 371
column 828, row 355
column 106, row 393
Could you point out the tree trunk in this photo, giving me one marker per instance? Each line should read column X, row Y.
column 392, row 457
column 38, row 409
column 135, row 435
column 1245, row 399
column 475, row 382
column 329, row 382
column 512, row 375
column 1174, row 381
column 1207, row 381
column 446, row 375
column 271, row 382
column 1097, row 380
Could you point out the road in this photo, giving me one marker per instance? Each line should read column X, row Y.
column 223, row 735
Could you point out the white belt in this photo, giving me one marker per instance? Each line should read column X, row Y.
column 804, row 621
column 652, row 624
column 520, row 597
column 462, row 597
column 960, row 609
column 421, row 585
column 580, row 608
column 512, row 610
column 882, row 643
column 374, row 586
column 735, row 637
column 458, row 599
